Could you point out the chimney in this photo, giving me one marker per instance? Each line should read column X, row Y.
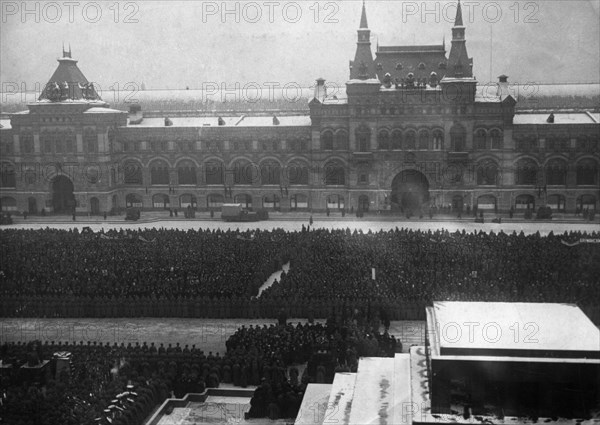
column 502, row 86
column 320, row 90
column 135, row 114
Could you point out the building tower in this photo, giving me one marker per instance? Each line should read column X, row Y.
column 459, row 63
column 363, row 66
column 68, row 82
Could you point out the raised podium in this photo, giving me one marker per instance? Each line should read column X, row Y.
column 512, row 359
column 482, row 363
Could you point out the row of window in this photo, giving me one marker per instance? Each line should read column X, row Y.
column 555, row 144
column 62, row 142
column 301, row 201
column 269, row 173
column 555, row 172
column 272, row 173
column 238, row 146
column 410, row 110
column 396, row 139
column 216, row 200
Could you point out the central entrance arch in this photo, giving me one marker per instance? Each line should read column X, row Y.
column 63, row 198
column 410, row 191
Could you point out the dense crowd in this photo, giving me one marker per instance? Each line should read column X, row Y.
column 121, row 384
column 203, row 273
column 97, row 388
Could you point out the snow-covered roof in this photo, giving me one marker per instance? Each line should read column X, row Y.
column 97, row 110
column 559, row 118
column 239, row 121
column 373, row 81
column 5, row 124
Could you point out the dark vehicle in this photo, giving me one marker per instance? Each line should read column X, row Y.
column 235, row 212
column 5, row 218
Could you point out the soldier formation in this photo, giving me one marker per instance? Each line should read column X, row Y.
column 217, row 274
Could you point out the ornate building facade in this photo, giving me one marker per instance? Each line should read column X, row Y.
column 413, row 131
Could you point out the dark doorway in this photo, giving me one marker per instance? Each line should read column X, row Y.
column 410, row 191
column 363, row 203
column 32, row 204
column 63, row 199
column 457, row 203
column 95, row 206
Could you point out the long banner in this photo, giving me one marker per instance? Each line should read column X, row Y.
column 580, row 241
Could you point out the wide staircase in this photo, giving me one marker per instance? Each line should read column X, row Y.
column 379, row 393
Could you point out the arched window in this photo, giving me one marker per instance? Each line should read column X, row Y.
column 271, row 202
column 327, row 140
column 525, row 202
column 497, row 139
column 423, row 139
column 527, row 172
column 528, row 144
column 587, row 172
column 133, row 200
column 383, row 140
column 584, row 144
column 480, row 138
column 7, row 175
column 396, row 140
column 244, row 199
column 8, row 203
column 186, row 173
column 334, row 173
column 341, row 140
column 438, row 140
column 270, row 173
column 298, row 202
column 245, row 172
column 188, row 200
column 335, row 202
column 557, row 202
column 487, row 173
column 159, row 172
column 132, row 173
column 215, row 200
column 458, row 137
column 90, row 140
column 363, row 139
column 556, row 172
column 160, row 200
column 410, row 140
column 486, row 202
column 557, row 144
column 586, row 202
column 213, row 172
column 297, row 173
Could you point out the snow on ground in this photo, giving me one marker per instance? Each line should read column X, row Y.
column 469, row 226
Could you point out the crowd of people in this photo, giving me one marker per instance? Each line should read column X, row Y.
column 203, row 273
column 93, row 390
column 121, row 384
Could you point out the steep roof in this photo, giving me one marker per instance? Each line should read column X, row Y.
column 458, row 21
column 422, row 60
column 68, row 82
column 363, row 17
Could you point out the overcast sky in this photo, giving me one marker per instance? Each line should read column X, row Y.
column 191, row 43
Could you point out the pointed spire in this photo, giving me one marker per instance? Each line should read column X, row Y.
column 458, row 22
column 363, row 17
